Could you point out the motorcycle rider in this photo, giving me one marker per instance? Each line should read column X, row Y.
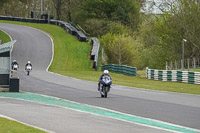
column 105, row 73
column 14, row 63
column 28, row 64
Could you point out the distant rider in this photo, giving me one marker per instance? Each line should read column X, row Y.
column 28, row 64
column 105, row 73
column 14, row 63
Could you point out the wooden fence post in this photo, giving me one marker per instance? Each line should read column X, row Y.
column 171, row 66
column 166, row 67
column 103, row 57
column 188, row 63
column 194, row 62
column 175, row 65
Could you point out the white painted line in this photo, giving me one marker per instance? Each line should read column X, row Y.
column 3, row 116
column 116, row 112
column 96, row 106
column 52, row 44
column 86, row 113
column 93, row 81
column 7, row 34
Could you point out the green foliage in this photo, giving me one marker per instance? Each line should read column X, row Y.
column 17, row 8
column 96, row 15
column 120, row 49
column 60, row 41
column 162, row 36
column 2, row 2
column 96, row 27
column 118, row 28
column 99, row 8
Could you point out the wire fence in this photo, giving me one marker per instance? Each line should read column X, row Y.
column 189, row 63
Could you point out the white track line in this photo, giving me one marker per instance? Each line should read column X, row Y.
column 3, row 116
column 7, row 34
column 101, row 107
column 91, row 113
column 115, row 112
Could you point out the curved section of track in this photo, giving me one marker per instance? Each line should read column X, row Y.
column 180, row 109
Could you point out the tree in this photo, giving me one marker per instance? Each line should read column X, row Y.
column 17, row 8
column 120, row 49
column 2, row 2
column 58, row 6
column 105, row 12
column 165, row 33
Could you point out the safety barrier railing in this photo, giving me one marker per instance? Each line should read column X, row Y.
column 95, row 51
column 69, row 28
column 65, row 25
column 122, row 69
column 173, row 76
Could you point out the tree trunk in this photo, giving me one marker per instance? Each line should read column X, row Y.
column 69, row 11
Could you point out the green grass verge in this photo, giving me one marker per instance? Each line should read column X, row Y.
column 69, row 53
column 193, row 70
column 71, row 58
column 8, row 126
column 4, row 37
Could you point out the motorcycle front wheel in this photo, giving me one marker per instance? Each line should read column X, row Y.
column 105, row 92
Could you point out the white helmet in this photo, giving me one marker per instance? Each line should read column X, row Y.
column 29, row 62
column 14, row 61
column 105, row 71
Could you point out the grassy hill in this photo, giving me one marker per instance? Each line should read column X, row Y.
column 4, row 37
column 71, row 58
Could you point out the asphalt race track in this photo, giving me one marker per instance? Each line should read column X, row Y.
column 34, row 45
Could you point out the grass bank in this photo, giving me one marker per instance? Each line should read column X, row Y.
column 69, row 53
column 4, row 37
column 71, row 58
column 8, row 126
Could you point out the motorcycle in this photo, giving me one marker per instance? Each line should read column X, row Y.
column 15, row 67
column 105, row 86
column 28, row 69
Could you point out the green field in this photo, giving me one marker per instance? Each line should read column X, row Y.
column 9, row 126
column 71, row 58
column 4, row 37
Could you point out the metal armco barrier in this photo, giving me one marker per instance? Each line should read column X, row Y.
column 66, row 26
column 122, row 69
column 70, row 29
column 95, row 51
column 173, row 76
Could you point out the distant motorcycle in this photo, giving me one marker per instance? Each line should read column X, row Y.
column 15, row 67
column 105, row 86
column 28, row 69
